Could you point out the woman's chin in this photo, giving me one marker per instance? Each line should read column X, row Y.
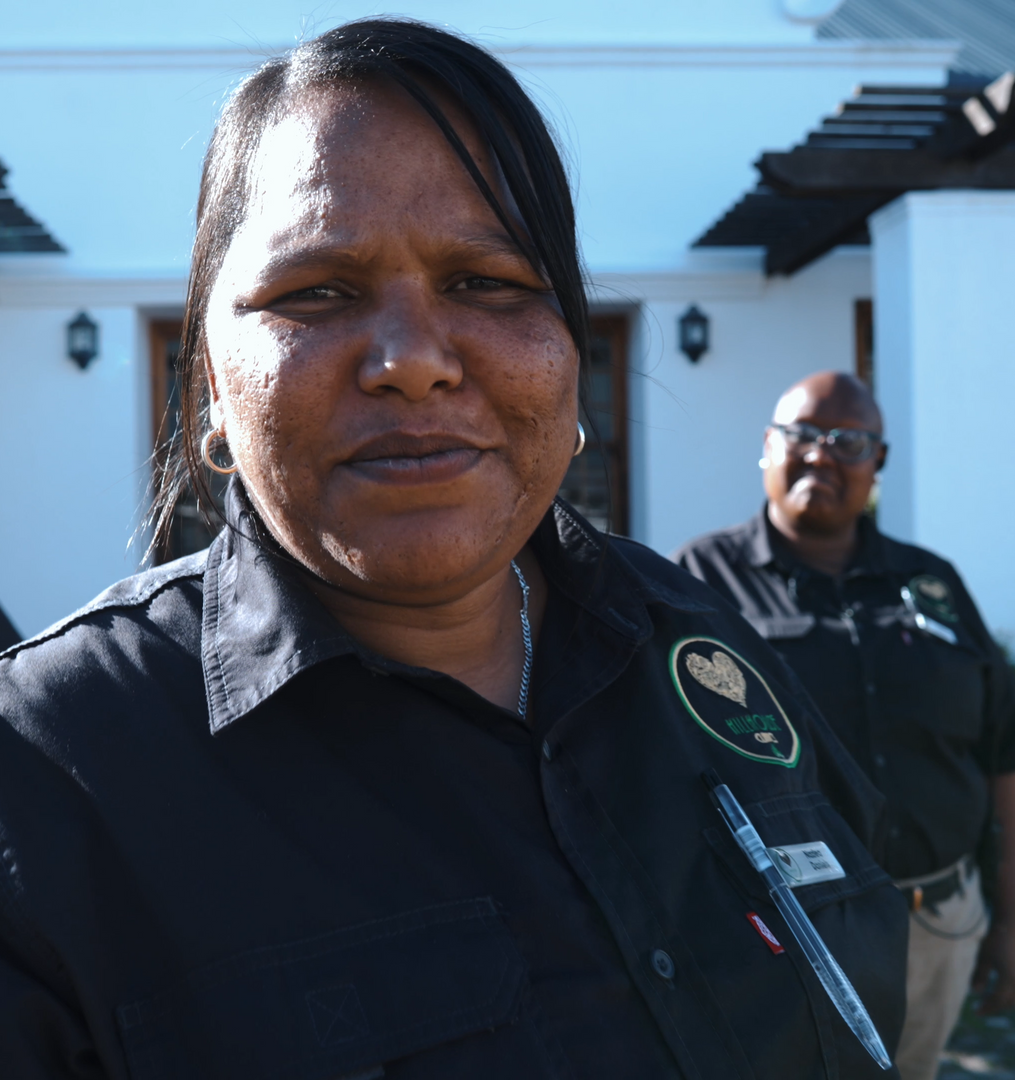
column 426, row 559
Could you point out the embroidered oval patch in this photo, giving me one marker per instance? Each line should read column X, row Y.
column 933, row 597
column 732, row 702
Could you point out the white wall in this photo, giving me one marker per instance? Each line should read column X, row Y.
column 67, row 487
column 697, row 428
column 944, row 267
column 73, row 444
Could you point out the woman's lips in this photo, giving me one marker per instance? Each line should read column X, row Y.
column 414, row 459
column 436, row 468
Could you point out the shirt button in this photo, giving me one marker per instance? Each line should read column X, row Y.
column 871, row 689
column 547, row 750
column 663, row 964
column 879, row 760
column 893, row 832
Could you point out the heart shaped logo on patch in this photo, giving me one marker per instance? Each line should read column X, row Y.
column 720, row 675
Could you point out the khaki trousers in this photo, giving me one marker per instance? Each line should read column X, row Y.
column 942, row 955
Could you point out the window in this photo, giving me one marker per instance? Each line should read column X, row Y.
column 596, row 483
column 188, row 532
column 863, row 340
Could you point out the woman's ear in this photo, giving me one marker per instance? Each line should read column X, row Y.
column 882, row 456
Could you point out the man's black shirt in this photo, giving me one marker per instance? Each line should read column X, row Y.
column 236, row 844
column 927, row 720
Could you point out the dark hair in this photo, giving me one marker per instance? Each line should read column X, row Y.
column 415, row 56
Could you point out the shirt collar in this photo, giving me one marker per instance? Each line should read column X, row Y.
column 262, row 624
column 757, row 545
column 761, row 547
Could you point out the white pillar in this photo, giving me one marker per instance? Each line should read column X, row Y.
column 944, row 342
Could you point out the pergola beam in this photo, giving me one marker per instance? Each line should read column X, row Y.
column 841, row 173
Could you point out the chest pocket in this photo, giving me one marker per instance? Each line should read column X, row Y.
column 862, row 918
column 343, row 1004
column 801, row 819
column 935, row 684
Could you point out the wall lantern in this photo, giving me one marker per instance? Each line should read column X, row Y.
column 693, row 328
column 82, row 340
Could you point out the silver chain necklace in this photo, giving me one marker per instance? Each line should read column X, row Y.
column 523, row 689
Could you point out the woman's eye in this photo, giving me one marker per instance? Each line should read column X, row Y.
column 316, row 292
column 480, row 283
column 307, row 301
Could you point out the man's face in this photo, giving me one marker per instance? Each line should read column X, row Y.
column 811, row 485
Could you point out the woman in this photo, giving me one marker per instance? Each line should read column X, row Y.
column 403, row 776
column 891, row 647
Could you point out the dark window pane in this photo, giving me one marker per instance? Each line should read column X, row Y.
column 596, row 481
column 188, row 532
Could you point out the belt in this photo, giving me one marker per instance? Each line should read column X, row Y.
column 936, row 888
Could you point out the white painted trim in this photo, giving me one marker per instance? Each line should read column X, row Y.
column 952, row 202
column 606, row 289
column 68, row 291
column 614, row 289
column 837, row 54
column 680, row 285
column 132, row 59
column 743, row 278
column 823, row 54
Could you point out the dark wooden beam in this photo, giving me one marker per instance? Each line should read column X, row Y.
column 816, row 237
column 840, row 173
column 20, row 232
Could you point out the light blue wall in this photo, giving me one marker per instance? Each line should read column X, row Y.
column 254, row 23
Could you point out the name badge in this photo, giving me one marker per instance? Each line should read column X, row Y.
column 806, row 864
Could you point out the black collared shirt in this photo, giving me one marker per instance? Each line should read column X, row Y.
column 239, row 846
column 928, row 719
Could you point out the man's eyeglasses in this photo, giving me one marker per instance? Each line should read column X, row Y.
column 848, row 445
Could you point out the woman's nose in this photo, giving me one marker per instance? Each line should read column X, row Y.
column 409, row 353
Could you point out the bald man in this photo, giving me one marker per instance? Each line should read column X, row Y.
column 890, row 646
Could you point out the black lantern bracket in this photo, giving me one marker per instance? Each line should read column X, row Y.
column 693, row 332
column 82, row 340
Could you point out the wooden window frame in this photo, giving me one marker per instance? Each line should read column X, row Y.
column 160, row 333
column 863, row 341
column 617, row 329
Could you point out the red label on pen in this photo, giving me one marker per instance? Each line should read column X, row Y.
column 767, row 936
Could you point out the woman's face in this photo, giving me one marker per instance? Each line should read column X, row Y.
column 396, row 383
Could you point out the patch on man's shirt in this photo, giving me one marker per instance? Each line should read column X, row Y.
column 933, row 597
column 732, row 702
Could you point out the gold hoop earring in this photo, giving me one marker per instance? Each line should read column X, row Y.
column 209, row 460
column 579, row 445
